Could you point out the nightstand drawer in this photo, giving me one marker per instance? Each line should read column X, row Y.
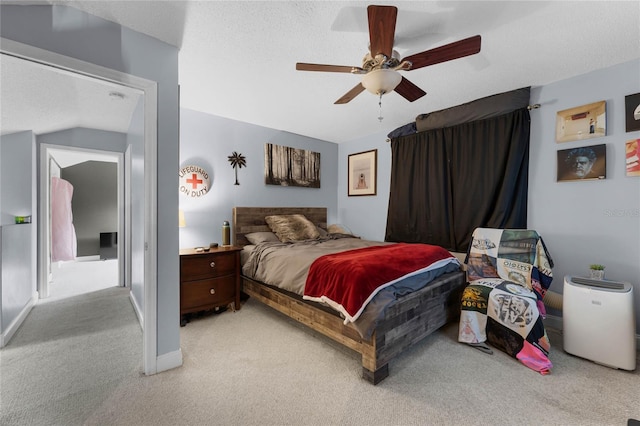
column 207, row 265
column 210, row 292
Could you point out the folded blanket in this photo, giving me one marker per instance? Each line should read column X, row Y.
column 347, row 281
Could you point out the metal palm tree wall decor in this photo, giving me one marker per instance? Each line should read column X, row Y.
column 237, row 161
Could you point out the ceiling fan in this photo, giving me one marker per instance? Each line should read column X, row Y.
column 381, row 65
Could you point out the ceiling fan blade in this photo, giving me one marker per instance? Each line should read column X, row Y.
column 382, row 28
column 448, row 52
column 301, row 66
column 409, row 91
column 350, row 94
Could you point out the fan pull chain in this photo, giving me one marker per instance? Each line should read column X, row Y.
column 380, row 105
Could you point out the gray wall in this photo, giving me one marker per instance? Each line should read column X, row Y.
column 365, row 215
column 581, row 222
column 81, row 137
column 17, row 151
column 207, row 141
column 18, row 252
column 593, row 221
column 68, row 31
column 95, row 202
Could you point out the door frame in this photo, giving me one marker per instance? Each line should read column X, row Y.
column 83, row 69
column 47, row 153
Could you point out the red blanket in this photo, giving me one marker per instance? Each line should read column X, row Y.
column 348, row 280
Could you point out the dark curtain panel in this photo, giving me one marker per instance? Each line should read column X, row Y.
column 480, row 109
column 447, row 182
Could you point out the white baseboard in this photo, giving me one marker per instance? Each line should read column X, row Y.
column 168, row 361
column 555, row 322
column 137, row 309
column 92, row 258
column 17, row 322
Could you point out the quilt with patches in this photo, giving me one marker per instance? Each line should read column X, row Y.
column 509, row 272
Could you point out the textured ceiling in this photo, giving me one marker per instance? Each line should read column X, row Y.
column 43, row 99
column 237, row 58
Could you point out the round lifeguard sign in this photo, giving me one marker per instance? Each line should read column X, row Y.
column 194, row 181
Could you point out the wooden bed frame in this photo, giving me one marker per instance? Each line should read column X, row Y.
column 405, row 322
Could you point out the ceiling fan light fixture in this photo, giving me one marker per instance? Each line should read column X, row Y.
column 381, row 63
column 381, row 81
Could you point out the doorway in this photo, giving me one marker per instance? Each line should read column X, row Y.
column 143, row 226
column 97, row 180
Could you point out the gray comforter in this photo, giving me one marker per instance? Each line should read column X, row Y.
column 285, row 265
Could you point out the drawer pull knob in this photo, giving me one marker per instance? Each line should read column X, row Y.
column 212, row 291
column 212, row 264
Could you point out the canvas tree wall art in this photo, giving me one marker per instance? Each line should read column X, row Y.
column 287, row 166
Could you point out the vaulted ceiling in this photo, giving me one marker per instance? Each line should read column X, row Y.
column 237, row 58
column 44, row 99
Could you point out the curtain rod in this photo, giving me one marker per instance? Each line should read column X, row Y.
column 529, row 107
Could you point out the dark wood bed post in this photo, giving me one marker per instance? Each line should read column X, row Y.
column 370, row 370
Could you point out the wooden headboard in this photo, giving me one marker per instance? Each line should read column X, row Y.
column 251, row 219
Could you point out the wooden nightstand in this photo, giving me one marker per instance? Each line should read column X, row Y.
column 209, row 279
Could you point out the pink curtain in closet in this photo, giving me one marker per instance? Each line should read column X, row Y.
column 63, row 233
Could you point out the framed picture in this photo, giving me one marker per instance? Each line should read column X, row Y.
column 583, row 122
column 632, row 157
column 287, row 166
column 362, row 172
column 583, row 163
column 632, row 112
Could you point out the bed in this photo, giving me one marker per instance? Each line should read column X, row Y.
column 404, row 322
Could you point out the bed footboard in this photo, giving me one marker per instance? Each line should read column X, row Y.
column 417, row 315
column 406, row 321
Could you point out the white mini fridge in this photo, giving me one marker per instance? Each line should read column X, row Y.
column 598, row 321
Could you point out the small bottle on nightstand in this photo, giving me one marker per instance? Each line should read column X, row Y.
column 226, row 233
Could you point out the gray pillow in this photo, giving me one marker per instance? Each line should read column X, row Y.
column 261, row 237
column 322, row 232
column 292, row 227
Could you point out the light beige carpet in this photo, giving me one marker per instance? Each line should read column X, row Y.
column 256, row 367
column 68, row 357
